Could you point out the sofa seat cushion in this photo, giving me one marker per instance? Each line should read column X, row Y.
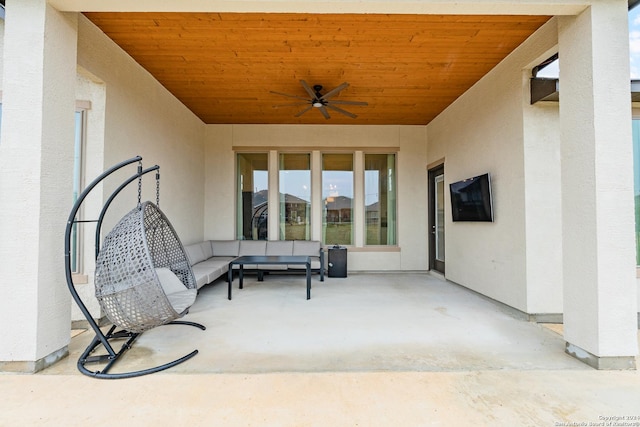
column 267, row 267
column 246, row 267
column 315, row 265
column 216, row 265
column 203, row 275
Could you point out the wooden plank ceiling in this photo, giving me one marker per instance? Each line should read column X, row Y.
column 408, row 68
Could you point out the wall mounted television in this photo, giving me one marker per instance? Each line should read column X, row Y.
column 471, row 199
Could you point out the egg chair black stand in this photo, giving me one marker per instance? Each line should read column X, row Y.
column 143, row 278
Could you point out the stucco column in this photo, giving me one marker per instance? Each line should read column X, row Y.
column 600, row 313
column 36, row 162
column 274, row 196
column 316, row 195
column 358, row 201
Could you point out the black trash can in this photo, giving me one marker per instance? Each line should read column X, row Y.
column 337, row 261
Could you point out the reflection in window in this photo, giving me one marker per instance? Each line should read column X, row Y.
column 75, row 253
column 252, row 184
column 636, row 182
column 380, row 198
column 337, row 198
column 295, row 196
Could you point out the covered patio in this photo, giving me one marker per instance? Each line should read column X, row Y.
column 371, row 349
column 560, row 245
column 365, row 322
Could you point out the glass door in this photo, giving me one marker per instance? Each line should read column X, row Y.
column 436, row 219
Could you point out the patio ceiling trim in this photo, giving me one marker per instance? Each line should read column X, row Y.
column 470, row 7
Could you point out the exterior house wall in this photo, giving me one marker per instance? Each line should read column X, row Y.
column 490, row 129
column 142, row 118
column 39, row 53
column 122, row 96
column 1, row 51
column 410, row 141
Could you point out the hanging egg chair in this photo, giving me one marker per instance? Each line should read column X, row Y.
column 142, row 280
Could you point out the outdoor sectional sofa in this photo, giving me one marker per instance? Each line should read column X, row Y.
column 210, row 259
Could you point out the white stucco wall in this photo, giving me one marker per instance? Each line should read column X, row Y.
column 90, row 96
column 488, row 129
column 39, row 69
column 142, row 118
column 410, row 141
column 1, row 51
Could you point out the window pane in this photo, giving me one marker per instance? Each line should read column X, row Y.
column 77, row 187
column 252, row 196
column 439, row 217
column 636, row 182
column 337, row 197
column 380, row 198
column 295, row 196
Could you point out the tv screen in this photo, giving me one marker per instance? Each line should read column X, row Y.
column 471, row 199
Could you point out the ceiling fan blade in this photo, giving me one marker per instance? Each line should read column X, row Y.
column 336, row 101
column 324, row 112
column 306, row 87
column 290, row 96
column 335, row 91
column 340, row 110
column 304, row 111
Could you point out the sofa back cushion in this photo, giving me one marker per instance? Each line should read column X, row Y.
column 306, row 247
column 194, row 253
column 280, row 248
column 206, row 249
column 225, row 247
column 252, row 247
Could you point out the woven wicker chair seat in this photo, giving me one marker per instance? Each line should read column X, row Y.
column 143, row 278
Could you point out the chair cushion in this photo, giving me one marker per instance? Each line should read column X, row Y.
column 207, row 250
column 194, row 253
column 306, row 247
column 280, row 247
column 253, row 247
column 216, row 265
column 169, row 281
column 315, row 265
column 178, row 295
column 181, row 301
column 225, row 247
column 201, row 274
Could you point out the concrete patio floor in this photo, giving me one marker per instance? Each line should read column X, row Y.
column 367, row 350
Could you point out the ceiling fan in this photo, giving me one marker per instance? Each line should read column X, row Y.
column 320, row 101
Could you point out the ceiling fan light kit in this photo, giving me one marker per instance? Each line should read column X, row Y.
column 320, row 101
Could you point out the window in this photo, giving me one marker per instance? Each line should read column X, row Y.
column 380, row 199
column 253, row 195
column 295, row 196
column 78, row 148
column 636, row 182
column 324, row 211
column 337, row 197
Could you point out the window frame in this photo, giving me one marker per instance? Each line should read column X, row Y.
column 80, row 147
column 395, row 189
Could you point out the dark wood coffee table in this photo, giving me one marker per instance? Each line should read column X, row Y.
column 262, row 260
